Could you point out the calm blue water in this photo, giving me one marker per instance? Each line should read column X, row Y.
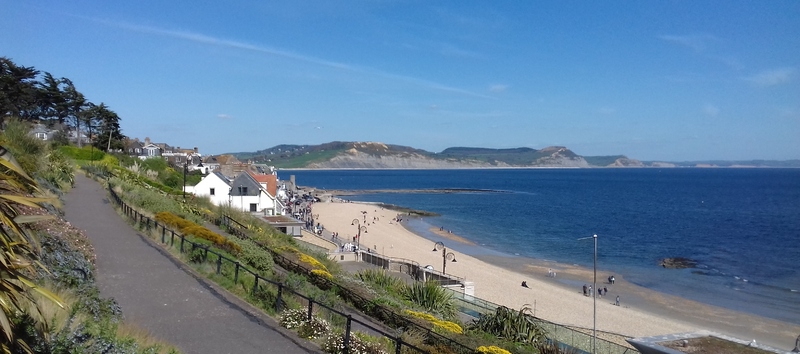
column 742, row 225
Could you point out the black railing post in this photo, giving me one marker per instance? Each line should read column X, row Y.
column 172, row 238
column 163, row 232
column 347, row 334
column 236, row 273
column 398, row 345
column 310, row 308
column 255, row 284
column 205, row 254
column 219, row 262
column 278, row 298
column 182, row 239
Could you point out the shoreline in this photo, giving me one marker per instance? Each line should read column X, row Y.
column 644, row 312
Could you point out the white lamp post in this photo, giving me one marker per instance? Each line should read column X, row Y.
column 594, row 296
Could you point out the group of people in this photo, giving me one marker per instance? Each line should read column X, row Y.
column 588, row 291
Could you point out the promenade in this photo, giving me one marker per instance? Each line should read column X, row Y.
column 157, row 294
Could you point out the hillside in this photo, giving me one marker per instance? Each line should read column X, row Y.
column 368, row 155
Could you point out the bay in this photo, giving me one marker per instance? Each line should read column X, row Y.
column 741, row 225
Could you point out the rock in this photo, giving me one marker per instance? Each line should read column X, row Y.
column 678, row 263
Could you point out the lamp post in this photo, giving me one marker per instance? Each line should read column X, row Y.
column 185, row 167
column 445, row 255
column 359, row 228
column 241, row 197
column 594, row 296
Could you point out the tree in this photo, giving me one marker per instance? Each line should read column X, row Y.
column 52, row 99
column 103, row 125
column 74, row 104
column 18, row 91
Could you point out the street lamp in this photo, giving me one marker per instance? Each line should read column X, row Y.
column 359, row 228
column 241, row 197
column 185, row 167
column 445, row 255
column 594, row 295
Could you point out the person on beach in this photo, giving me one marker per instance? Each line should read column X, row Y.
column 617, row 302
column 605, row 290
column 585, row 290
column 524, row 284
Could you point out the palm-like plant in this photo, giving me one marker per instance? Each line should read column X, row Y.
column 516, row 326
column 17, row 250
column 432, row 298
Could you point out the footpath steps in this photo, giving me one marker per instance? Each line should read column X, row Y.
column 157, row 294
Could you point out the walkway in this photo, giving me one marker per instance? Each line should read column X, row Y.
column 157, row 294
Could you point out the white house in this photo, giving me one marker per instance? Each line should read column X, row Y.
column 215, row 186
column 248, row 194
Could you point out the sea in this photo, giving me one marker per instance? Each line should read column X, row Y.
column 741, row 225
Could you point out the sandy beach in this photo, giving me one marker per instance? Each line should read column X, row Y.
column 642, row 312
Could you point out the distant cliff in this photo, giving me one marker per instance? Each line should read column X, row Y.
column 369, row 155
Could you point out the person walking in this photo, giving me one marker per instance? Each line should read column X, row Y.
column 617, row 302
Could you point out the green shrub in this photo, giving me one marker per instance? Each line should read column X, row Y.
column 516, row 326
column 86, row 153
column 381, row 278
column 360, row 343
column 197, row 255
column 431, row 297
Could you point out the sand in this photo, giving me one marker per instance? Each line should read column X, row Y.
column 498, row 279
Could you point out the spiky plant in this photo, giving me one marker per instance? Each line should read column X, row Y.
column 431, row 297
column 382, row 279
column 17, row 251
column 516, row 326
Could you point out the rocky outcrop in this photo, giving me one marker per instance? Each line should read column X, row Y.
column 559, row 156
column 626, row 162
column 678, row 263
column 357, row 159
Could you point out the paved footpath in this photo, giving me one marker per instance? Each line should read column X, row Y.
column 156, row 293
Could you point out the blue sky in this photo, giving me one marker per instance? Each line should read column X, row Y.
column 653, row 80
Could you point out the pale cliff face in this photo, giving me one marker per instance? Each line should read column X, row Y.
column 353, row 158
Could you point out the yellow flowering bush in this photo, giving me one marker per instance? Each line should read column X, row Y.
column 313, row 262
column 491, row 350
column 190, row 228
column 322, row 273
column 448, row 326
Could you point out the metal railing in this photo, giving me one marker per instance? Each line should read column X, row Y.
column 578, row 338
column 261, row 287
column 411, row 268
column 369, row 307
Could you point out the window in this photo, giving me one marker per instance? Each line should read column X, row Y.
column 253, row 207
column 211, row 191
column 242, row 190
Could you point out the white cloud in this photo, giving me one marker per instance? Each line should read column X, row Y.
column 711, row 110
column 772, row 77
column 498, row 88
column 698, row 43
column 453, row 51
column 224, row 116
column 607, row 110
column 205, row 39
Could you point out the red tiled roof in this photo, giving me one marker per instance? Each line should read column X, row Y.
column 270, row 180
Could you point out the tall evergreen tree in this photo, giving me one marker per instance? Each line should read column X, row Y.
column 18, row 91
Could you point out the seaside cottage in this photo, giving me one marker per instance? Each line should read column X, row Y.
column 215, row 186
